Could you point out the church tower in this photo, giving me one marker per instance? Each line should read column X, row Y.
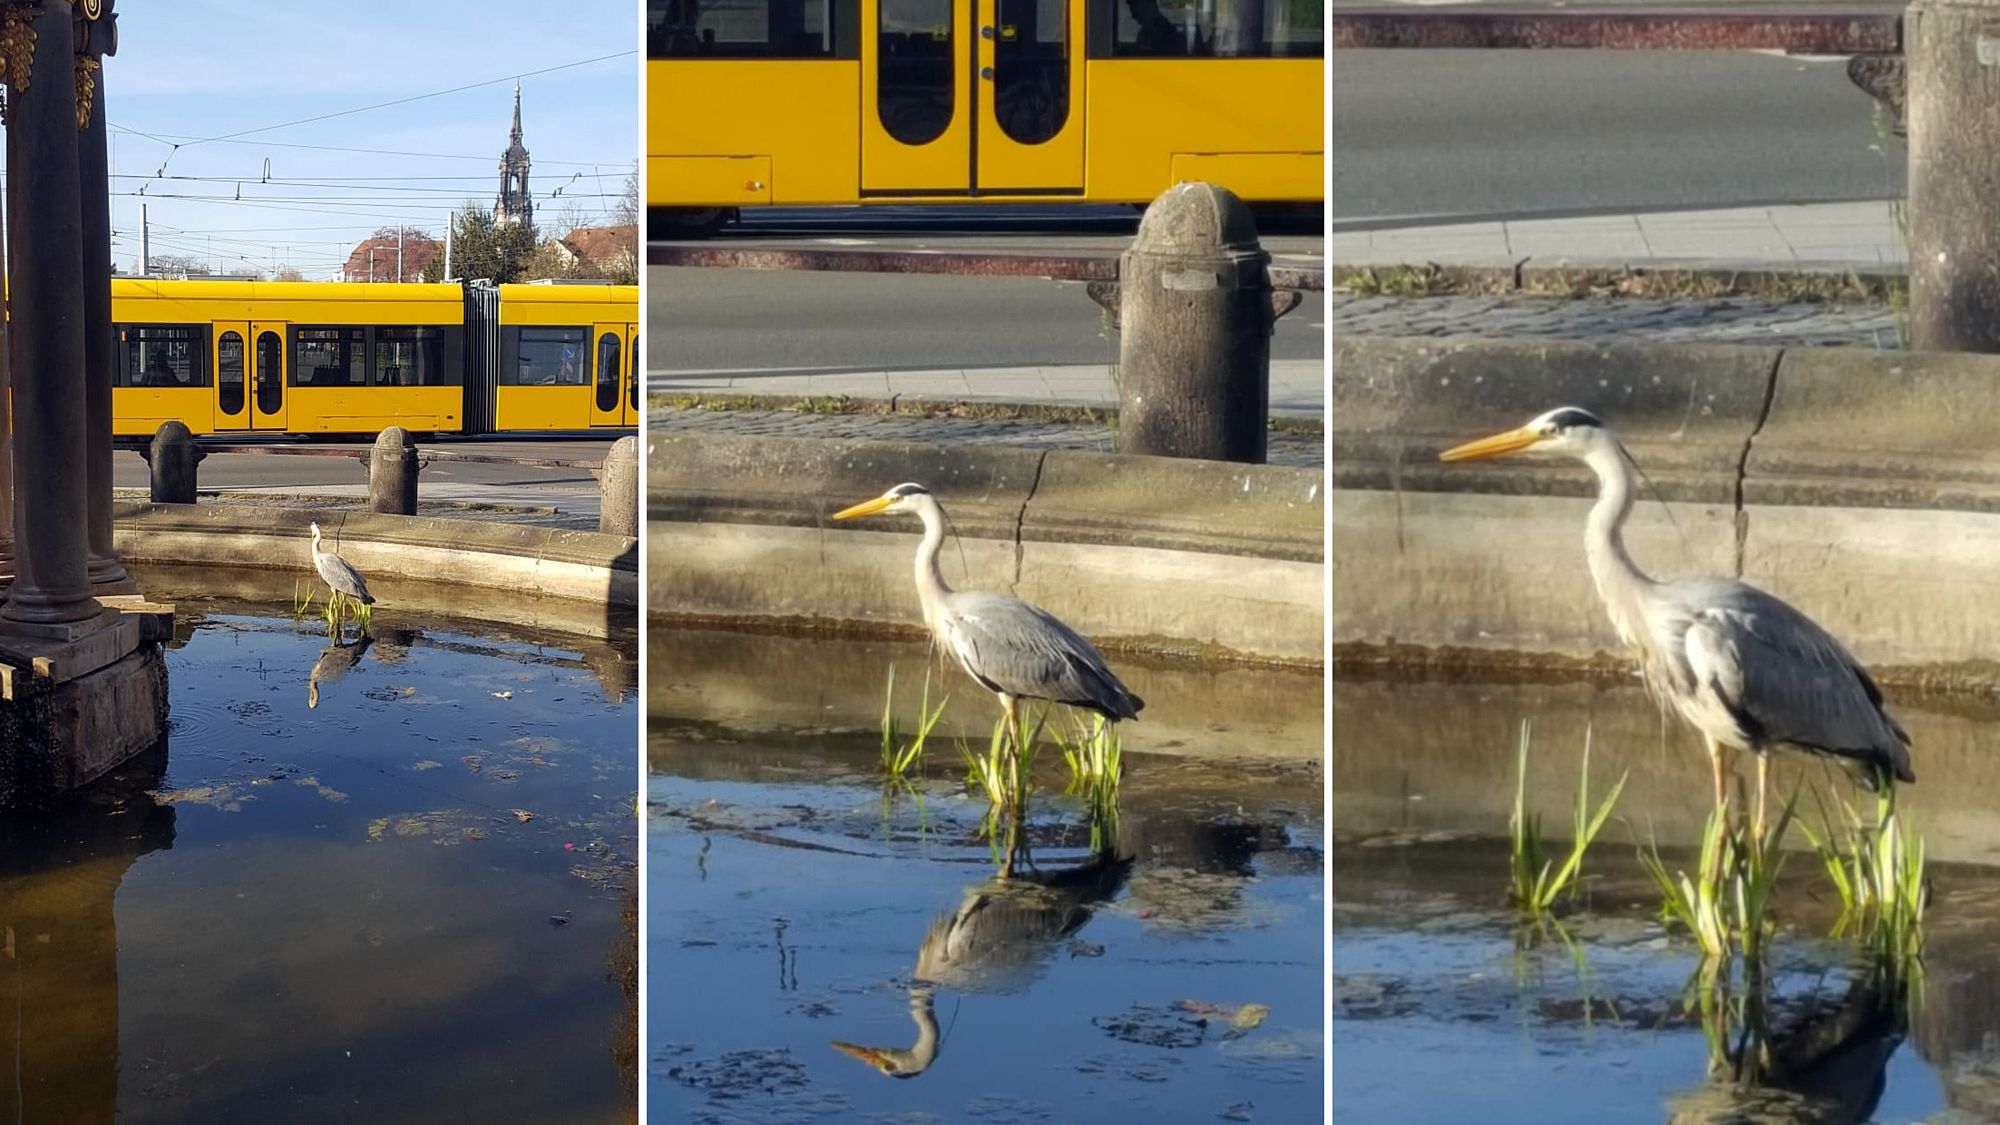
column 512, row 205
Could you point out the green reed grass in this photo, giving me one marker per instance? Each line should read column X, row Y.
column 1538, row 883
column 1878, row 872
column 1726, row 903
column 1004, row 773
column 901, row 755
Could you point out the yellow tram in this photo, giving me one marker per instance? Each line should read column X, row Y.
column 328, row 358
column 816, row 102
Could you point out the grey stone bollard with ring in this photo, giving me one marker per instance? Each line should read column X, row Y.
column 172, row 460
column 1952, row 48
column 392, row 473
column 618, row 506
column 1195, row 311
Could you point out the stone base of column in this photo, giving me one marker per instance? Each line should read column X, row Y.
column 108, row 578
column 72, row 711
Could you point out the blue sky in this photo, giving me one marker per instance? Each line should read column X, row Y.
column 188, row 70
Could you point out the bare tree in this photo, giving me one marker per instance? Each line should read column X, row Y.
column 177, row 265
column 626, row 210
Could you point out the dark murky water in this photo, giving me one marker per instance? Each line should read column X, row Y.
column 412, row 901
column 1176, row 979
column 1441, row 1016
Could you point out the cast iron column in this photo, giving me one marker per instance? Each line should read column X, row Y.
column 96, row 39
column 51, row 581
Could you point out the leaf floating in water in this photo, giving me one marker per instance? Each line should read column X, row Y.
column 523, row 815
column 503, row 695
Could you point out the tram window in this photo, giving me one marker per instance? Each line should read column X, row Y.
column 753, row 29
column 229, row 393
column 163, row 355
column 607, row 371
column 330, row 357
column 1208, row 29
column 915, row 63
column 549, row 357
column 1031, row 69
column 411, row 357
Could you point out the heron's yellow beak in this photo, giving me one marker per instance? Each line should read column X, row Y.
column 1499, row 445
column 865, row 508
column 869, row 1055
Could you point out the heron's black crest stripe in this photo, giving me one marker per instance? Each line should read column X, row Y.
column 1574, row 416
column 908, row 490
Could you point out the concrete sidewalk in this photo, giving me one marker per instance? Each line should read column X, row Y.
column 1818, row 237
column 1297, row 385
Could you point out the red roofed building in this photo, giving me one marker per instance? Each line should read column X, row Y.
column 375, row 259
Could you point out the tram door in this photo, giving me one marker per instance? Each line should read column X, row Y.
column 267, row 376
column 611, row 398
column 970, row 97
column 634, row 375
column 232, row 375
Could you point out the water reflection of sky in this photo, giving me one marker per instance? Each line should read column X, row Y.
column 334, row 912
column 799, row 908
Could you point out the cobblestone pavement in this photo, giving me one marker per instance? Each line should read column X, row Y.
column 1729, row 320
column 1297, row 450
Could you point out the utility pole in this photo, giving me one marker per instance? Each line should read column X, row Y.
column 447, row 247
column 145, row 244
column 399, row 255
column 1954, row 69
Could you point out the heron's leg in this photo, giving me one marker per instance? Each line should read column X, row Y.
column 1013, row 737
column 1763, row 776
column 1718, row 764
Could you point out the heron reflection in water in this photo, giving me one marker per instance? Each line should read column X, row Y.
column 1014, row 650
column 1825, row 1064
column 996, row 941
column 335, row 661
column 1741, row 666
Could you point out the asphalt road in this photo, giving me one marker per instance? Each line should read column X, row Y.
column 318, row 474
column 718, row 319
column 715, row 319
column 1510, row 134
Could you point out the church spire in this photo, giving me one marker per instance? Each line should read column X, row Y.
column 513, row 204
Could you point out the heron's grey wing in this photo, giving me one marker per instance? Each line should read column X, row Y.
column 1019, row 649
column 342, row 577
column 1785, row 679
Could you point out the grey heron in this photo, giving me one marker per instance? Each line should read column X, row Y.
column 1014, row 650
column 1741, row 666
column 337, row 574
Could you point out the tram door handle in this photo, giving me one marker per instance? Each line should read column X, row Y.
column 986, row 72
column 986, row 33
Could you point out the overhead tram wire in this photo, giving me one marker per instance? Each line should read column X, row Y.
column 514, row 77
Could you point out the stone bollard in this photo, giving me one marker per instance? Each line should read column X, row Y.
column 173, row 458
column 618, row 508
column 392, row 473
column 1952, row 48
column 1195, row 311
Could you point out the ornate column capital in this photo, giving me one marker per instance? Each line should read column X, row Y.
column 96, row 37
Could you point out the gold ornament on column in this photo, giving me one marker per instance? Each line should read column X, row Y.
column 17, row 49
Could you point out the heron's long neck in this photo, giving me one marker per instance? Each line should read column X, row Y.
column 1619, row 580
column 924, row 1051
column 930, row 581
